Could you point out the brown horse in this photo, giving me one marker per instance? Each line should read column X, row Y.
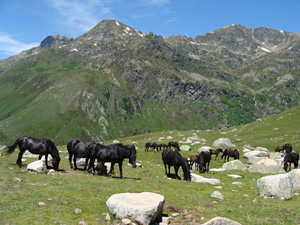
column 279, row 148
column 229, row 152
column 215, row 152
column 194, row 159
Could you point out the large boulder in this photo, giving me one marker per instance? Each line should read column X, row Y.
column 143, row 208
column 276, row 155
column 254, row 159
column 204, row 149
column 37, row 166
column 223, row 143
column 221, row 221
column 234, row 165
column 278, row 186
column 185, row 148
column 255, row 154
column 295, row 177
column 194, row 138
column 266, row 166
column 200, row 179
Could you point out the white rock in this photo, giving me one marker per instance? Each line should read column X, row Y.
column 204, row 149
column 221, row 221
column 255, row 154
column 170, row 138
column 37, row 166
column 254, row 159
column 185, row 148
column 199, row 179
column 217, row 194
column 234, row 176
column 234, row 165
column 223, row 143
column 266, row 166
column 217, row 170
column 295, row 177
column 143, row 208
column 278, row 186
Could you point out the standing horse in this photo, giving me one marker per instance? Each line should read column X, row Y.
column 75, row 148
column 161, row 146
column 230, row 153
column 173, row 158
column 290, row 157
column 114, row 153
column 204, row 160
column 173, row 144
column 152, row 145
column 279, row 148
column 194, row 159
column 216, row 152
column 36, row 146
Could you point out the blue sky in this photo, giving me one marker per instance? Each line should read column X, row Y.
column 25, row 23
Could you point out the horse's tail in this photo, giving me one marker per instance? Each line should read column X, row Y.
column 12, row 148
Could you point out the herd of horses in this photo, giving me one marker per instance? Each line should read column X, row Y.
column 116, row 153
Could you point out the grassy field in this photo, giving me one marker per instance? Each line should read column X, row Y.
column 69, row 189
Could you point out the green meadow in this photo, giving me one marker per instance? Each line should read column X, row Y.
column 22, row 192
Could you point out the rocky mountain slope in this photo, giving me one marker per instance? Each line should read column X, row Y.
column 116, row 81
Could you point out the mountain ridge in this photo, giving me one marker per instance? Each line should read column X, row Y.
column 114, row 81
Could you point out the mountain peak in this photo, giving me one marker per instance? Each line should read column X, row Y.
column 54, row 41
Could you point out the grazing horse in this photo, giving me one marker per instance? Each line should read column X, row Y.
column 216, row 152
column 290, row 157
column 161, row 146
column 152, row 145
column 173, row 144
column 36, row 146
column 114, row 153
column 75, row 148
column 204, row 160
column 173, row 158
column 230, row 153
column 279, row 148
column 194, row 159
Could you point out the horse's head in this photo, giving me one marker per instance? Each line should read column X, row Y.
column 132, row 158
column 288, row 147
column 55, row 162
column 187, row 176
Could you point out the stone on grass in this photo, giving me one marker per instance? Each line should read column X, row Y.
column 221, row 221
column 254, row 159
column 218, row 195
column 199, row 179
column 223, row 143
column 217, row 170
column 143, row 208
column 234, row 176
column 295, row 177
column 255, row 154
column 266, row 166
column 194, row 138
column 185, row 148
column 234, row 165
column 37, row 166
column 278, row 186
column 276, row 155
column 204, row 149
column 261, row 149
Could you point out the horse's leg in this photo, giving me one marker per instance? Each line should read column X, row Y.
column 166, row 169
column 216, row 156
column 70, row 160
column 120, row 168
column 86, row 162
column 111, row 169
column 19, row 160
column 176, row 172
column 207, row 166
column 74, row 161
column 46, row 160
column 91, row 165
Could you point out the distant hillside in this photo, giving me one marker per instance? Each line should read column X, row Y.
column 115, row 81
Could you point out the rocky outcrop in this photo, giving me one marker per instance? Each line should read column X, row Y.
column 54, row 41
column 143, row 208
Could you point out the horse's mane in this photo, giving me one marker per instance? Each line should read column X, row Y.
column 52, row 148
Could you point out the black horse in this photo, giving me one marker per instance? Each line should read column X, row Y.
column 173, row 158
column 36, row 146
column 204, row 160
column 152, row 145
column 229, row 152
column 173, row 144
column 290, row 157
column 75, row 148
column 114, row 153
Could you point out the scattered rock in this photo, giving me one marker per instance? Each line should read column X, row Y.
column 143, row 208
column 237, row 183
column 255, row 154
column 266, row 166
column 194, row 138
column 261, row 149
column 254, row 159
column 217, row 170
column 200, row 179
column 76, row 211
column 204, row 149
column 278, row 186
column 42, row 203
column 223, row 143
column 221, row 221
column 17, row 179
column 170, row 138
column 37, row 166
column 234, row 176
column 218, row 195
column 126, row 221
column 234, row 165
column 185, row 148
column 295, row 177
